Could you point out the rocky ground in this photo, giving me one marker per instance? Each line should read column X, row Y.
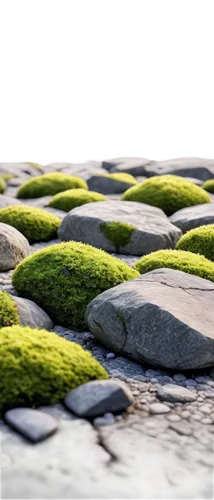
column 160, row 447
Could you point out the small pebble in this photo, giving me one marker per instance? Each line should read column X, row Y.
column 179, row 377
column 191, row 382
column 174, row 418
column 107, row 419
column 158, row 408
column 110, row 355
column 181, row 428
column 206, row 421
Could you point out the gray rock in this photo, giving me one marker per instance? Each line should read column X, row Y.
column 158, row 408
column 107, row 419
column 153, row 229
column 107, row 185
column 7, row 201
column 99, row 397
column 14, row 247
column 33, row 424
column 25, row 169
column 164, row 317
column 32, row 315
column 181, row 428
column 191, row 217
column 198, row 168
column 172, row 393
column 134, row 166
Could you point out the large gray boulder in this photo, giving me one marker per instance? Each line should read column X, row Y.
column 191, row 217
column 107, row 185
column 198, row 168
column 31, row 314
column 14, row 247
column 151, row 230
column 164, row 317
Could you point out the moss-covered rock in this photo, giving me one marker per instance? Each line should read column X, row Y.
column 169, row 192
column 74, row 198
column 38, row 367
column 49, row 184
column 177, row 259
column 123, row 177
column 209, row 186
column 199, row 240
column 118, row 233
column 8, row 311
column 34, row 223
column 2, row 185
column 64, row 278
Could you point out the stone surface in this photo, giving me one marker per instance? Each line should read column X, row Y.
column 158, row 408
column 170, row 392
column 32, row 315
column 164, row 317
column 13, row 247
column 153, row 230
column 107, row 185
column 32, row 424
column 134, row 166
column 191, row 217
column 98, row 397
column 6, row 201
column 198, row 168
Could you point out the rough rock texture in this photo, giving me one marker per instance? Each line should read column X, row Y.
column 13, row 247
column 153, row 230
column 199, row 168
column 134, row 166
column 191, row 217
column 107, row 185
column 32, row 315
column 164, row 317
column 33, row 424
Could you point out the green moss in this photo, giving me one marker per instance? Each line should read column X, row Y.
column 49, row 184
column 123, row 177
column 7, row 177
column 8, row 311
column 39, row 367
column 64, row 278
column 118, row 233
column 2, row 185
column 199, row 240
column 34, row 223
column 168, row 192
column 209, row 186
column 177, row 259
column 74, row 198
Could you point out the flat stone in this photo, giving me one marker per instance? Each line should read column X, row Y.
column 14, row 247
column 32, row 315
column 170, row 392
column 192, row 217
column 199, row 168
column 7, row 201
column 181, row 428
column 107, row 185
column 158, row 408
column 32, row 424
column 99, row 397
column 134, row 166
column 167, row 320
column 153, row 231
column 179, row 377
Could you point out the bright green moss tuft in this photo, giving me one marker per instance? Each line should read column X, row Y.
column 123, row 177
column 8, row 311
column 177, row 259
column 168, row 192
column 118, row 233
column 74, row 198
column 39, row 367
column 49, row 184
column 2, row 185
column 64, row 278
column 209, row 186
column 199, row 240
column 34, row 223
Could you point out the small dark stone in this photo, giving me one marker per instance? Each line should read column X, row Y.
column 32, row 424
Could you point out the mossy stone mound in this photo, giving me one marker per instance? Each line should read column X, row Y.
column 8, row 311
column 34, row 223
column 123, row 177
column 73, row 198
column 2, row 185
column 64, row 278
column 169, row 192
column 118, row 233
column 199, row 240
column 39, row 367
column 49, row 184
column 209, row 186
column 177, row 259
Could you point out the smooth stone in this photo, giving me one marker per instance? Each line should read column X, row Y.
column 14, row 247
column 164, row 318
column 192, row 217
column 158, row 408
column 107, row 185
column 181, row 428
column 107, row 419
column 133, row 166
column 172, row 393
column 7, row 201
column 179, row 377
column 199, row 168
column 153, row 229
column 32, row 315
column 32, row 424
column 99, row 397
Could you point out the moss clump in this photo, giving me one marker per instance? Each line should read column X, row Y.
column 7, row 177
column 64, row 278
column 209, row 186
column 2, row 185
column 123, row 177
column 34, row 223
column 199, row 240
column 177, row 259
column 49, row 184
column 8, row 311
column 118, row 233
column 38, row 367
column 168, row 192
column 74, row 198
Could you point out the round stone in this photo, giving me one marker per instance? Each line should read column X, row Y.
column 154, row 480
column 178, row 475
column 4, row 460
